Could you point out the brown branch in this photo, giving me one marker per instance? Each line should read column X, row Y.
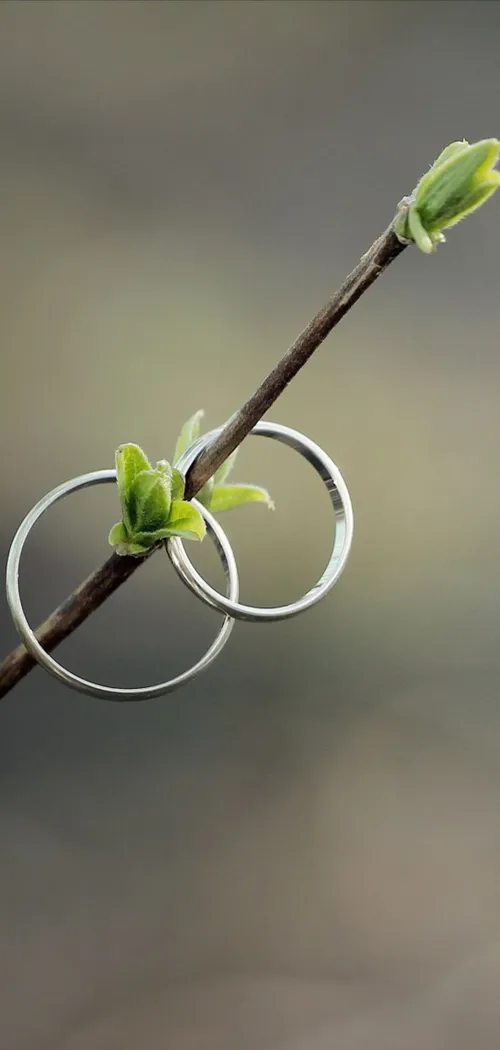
column 104, row 581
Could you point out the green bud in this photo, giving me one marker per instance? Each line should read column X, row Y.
column 152, row 504
column 461, row 179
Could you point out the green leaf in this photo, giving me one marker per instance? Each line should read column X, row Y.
column 130, row 460
column 226, row 497
column 118, row 536
column 188, row 434
column 137, row 550
column 139, row 544
column 224, row 471
column 477, row 196
column 151, row 539
column 134, row 549
column 178, row 485
column 176, row 480
column 186, row 521
column 417, row 233
column 205, row 494
column 449, row 151
column 152, row 501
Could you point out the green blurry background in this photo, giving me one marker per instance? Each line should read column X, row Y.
column 301, row 850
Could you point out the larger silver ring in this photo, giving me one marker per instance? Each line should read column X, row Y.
column 344, row 529
column 106, row 692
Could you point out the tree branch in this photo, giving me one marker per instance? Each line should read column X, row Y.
column 102, row 583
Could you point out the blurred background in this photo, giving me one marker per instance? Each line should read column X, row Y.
column 301, row 850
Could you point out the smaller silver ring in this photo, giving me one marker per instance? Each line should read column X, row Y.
column 344, row 530
column 105, row 692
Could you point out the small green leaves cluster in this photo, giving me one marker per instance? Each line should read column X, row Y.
column 217, row 495
column 461, row 179
column 152, row 498
column 152, row 504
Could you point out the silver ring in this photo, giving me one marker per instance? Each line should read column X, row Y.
column 344, row 529
column 105, row 692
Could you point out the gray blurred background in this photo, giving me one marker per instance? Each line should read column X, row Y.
column 300, row 851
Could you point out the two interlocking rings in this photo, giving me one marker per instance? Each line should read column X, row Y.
column 227, row 604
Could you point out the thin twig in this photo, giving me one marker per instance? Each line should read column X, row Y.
column 104, row 581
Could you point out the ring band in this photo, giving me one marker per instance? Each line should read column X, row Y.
column 344, row 529
column 27, row 634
